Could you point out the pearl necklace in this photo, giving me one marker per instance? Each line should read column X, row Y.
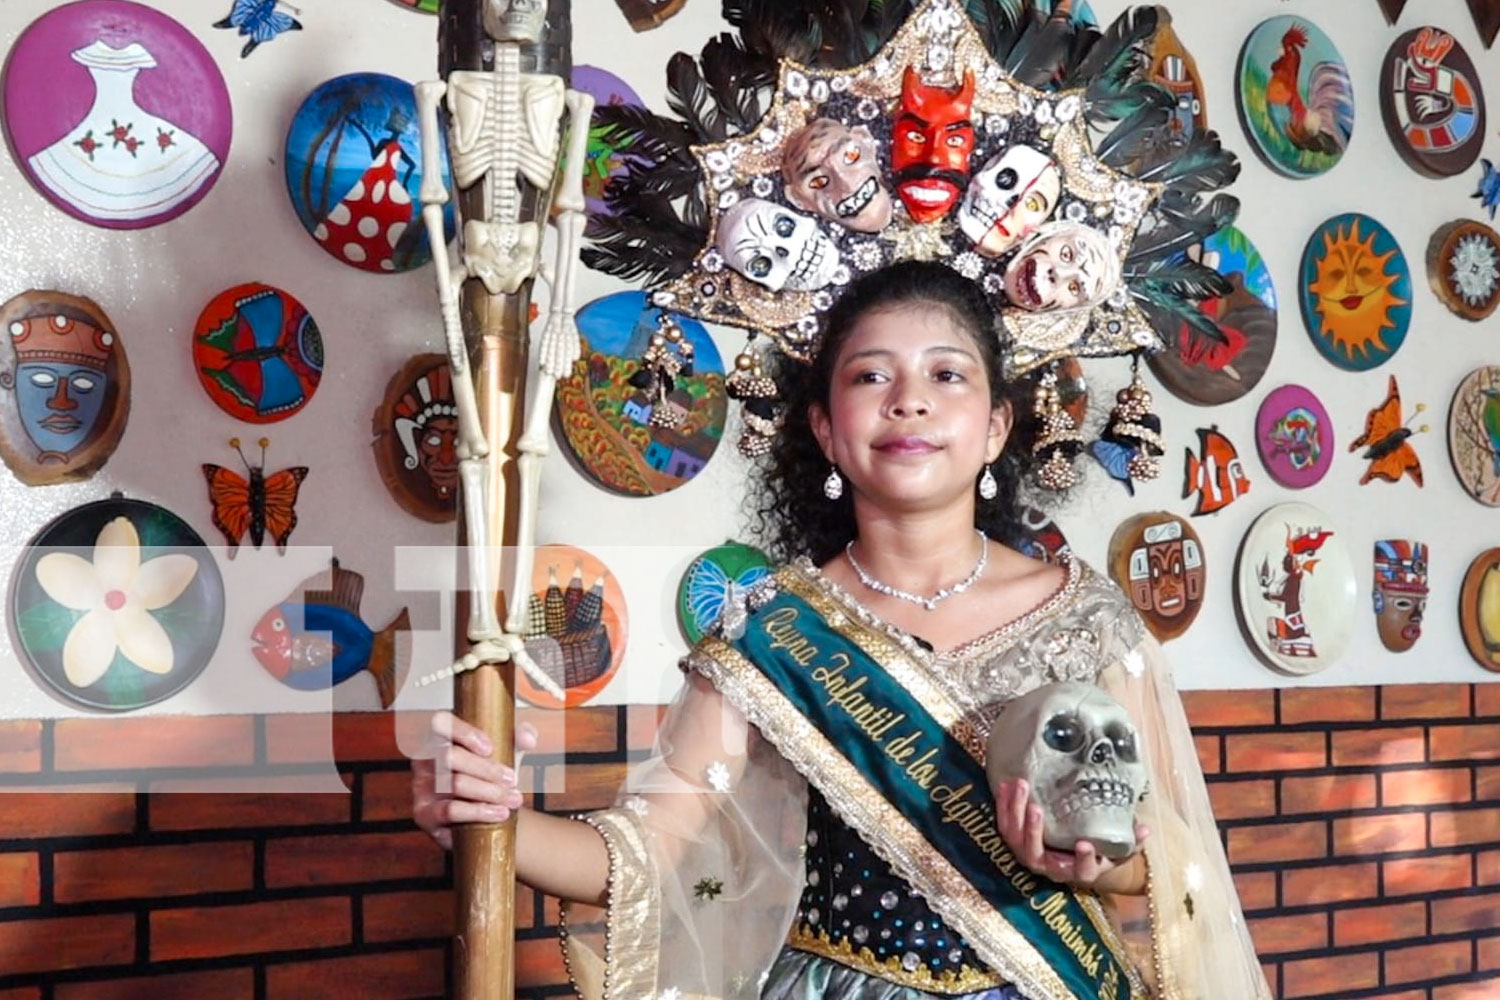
column 928, row 603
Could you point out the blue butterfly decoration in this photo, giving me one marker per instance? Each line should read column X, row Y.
column 1489, row 188
column 1116, row 461
column 260, row 21
column 709, row 590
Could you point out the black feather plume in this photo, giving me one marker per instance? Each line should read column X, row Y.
column 689, row 96
column 1202, row 165
column 739, row 83
column 1118, row 57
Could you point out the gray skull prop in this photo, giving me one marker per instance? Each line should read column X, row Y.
column 1077, row 749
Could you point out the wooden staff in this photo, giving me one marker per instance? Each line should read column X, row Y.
column 495, row 356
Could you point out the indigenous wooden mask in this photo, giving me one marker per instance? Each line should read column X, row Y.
column 1063, row 265
column 1400, row 592
column 833, row 171
column 68, row 388
column 416, row 439
column 776, row 247
column 931, row 141
column 1015, row 193
column 1158, row 560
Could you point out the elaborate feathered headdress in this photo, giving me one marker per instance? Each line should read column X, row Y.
column 1021, row 147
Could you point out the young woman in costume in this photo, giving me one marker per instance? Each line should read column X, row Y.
column 799, row 831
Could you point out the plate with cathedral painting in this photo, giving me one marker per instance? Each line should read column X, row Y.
column 1200, row 370
column 116, row 113
column 64, row 387
column 576, row 626
column 1355, row 290
column 632, row 428
column 1432, row 102
column 1296, row 590
column 117, row 604
column 1474, row 434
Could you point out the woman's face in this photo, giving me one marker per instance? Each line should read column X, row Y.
column 909, row 421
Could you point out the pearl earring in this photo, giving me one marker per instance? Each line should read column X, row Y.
column 833, row 486
column 988, row 488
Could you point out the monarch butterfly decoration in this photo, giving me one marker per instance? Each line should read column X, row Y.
column 1385, row 441
column 260, row 505
column 260, row 21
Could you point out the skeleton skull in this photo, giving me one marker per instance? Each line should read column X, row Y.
column 1063, row 265
column 1077, row 748
column 515, row 20
column 776, row 247
column 1015, row 193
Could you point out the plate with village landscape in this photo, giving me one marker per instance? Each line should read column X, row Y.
column 1295, row 588
column 613, row 428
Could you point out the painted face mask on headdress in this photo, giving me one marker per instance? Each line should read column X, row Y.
column 1016, row 192
column 833, row 171
column 930, row 146
column 776, row 247
column 1063, row 265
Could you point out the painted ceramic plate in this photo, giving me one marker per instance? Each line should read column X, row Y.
column 258, row 353
column 1474, row 434
column 1355, row 291
column 1157, row 560
column 425, row 6
column 605, row 161
column 416, row 439
column 1294, row 437
column 1200, row 371
column 64, row 387
column 1295, row 98
column 116, row 113
column 1479, row 609
column 354, row 171
column 1463, row 268
column 117, row 604
column 1040, row 537
column 576, row 625
column 1295, row 589
column 714, row 580
column 612, row 428
column 1432, row 102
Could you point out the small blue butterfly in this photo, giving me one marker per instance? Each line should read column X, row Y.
column 260, row 21
column 1116, row 461
column 709, row 589
column 1489, row 188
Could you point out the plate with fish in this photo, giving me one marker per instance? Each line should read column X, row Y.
column 1294, row 437
column 316, row 637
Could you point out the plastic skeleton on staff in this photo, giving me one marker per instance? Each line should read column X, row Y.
column 505, row 129
column 504, row 132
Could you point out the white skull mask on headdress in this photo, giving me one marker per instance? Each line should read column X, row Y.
column 515, row 20
column 1077, row 748
column 1015, row 193
column 1063, row 265
column 776, row 247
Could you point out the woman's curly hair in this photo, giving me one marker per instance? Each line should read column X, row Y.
column 794, row 518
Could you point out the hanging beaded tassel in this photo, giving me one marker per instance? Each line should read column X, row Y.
column 749, row 385
column 1060, row 440
column 668, row 355
column 1132, row 425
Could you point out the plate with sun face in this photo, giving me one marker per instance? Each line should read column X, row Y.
column 1355, row 291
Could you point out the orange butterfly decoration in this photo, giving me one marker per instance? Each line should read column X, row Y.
column 257, row 506
column 1389, row 453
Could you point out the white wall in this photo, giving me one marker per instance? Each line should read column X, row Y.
column 153, row 283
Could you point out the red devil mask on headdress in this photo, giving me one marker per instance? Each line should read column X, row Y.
column 930, row 146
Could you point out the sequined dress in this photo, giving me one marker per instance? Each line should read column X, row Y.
column 738, row 869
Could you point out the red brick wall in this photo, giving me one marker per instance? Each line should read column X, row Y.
column 1363, row 825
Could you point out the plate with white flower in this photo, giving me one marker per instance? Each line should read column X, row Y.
column 1463, row 268
column 117, row 604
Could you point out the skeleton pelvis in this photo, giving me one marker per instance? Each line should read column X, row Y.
column 501, row 254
